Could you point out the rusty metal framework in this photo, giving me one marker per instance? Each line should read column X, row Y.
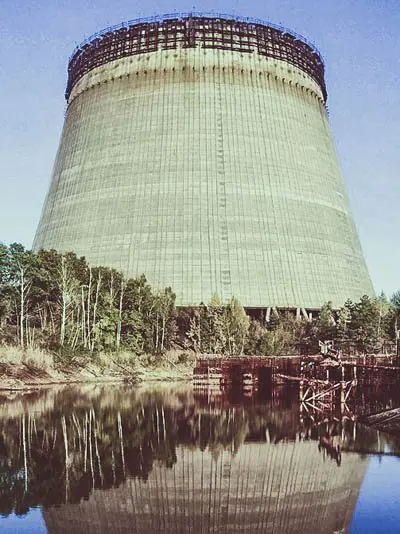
column 195, row 30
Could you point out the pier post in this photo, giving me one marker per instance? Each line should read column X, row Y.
column 343, row 394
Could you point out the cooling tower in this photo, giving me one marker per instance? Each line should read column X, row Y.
column 196, row 149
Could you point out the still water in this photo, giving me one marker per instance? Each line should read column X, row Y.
column 118, row 459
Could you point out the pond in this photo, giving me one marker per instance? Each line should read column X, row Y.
column 99, row 459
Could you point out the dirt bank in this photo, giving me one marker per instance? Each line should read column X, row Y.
column 14, row 377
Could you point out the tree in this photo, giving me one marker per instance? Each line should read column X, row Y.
column 383, row 307
column 137, row 315
column 395, row 302
column 164, row 311
column 325, row 323
column 237, row 325
column 5, row 300
column 216, row 333
column 291, row 335
column 395, row 299
column 343, row 334
column 260, row 340
column 365, row 325
column 209, row 327
column 21, row 269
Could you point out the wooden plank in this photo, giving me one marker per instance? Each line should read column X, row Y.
column 387, row 421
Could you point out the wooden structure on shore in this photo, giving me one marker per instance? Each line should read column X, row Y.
column 324, row 384
column 243, row 373
column 246, row 371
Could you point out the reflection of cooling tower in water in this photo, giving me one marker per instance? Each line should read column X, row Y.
column 285, row 488
column 197, row 150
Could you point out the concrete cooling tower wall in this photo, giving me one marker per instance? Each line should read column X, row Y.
column 197, row 150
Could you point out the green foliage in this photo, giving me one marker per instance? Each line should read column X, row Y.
column 363, row 324
column 238, row 323
column 395, row 300
column 343, row 334
column 219, row 328
column 260, row 340
column 325, row 323
column 365, row 327
column 56, row 301
column 394, row 320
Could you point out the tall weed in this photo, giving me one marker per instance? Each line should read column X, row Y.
column 32, row 357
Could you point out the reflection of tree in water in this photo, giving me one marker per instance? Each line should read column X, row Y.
column 85, row 443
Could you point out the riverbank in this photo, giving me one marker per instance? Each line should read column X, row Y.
column 28, row 369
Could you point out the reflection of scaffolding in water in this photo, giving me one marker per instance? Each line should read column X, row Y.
column 321, row 396
column 328, row 400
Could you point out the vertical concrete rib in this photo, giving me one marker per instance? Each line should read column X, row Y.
column 223, row 244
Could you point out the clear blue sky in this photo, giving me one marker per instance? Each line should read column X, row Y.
column 359, row 40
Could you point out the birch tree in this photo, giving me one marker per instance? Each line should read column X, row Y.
column 22, row 265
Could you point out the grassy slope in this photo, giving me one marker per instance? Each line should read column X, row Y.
column 20, row 368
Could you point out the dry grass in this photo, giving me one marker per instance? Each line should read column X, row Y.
column 169, row 366
column 33, row 365
column 33, row 357
column 110, row 360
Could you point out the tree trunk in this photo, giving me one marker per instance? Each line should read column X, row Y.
column 163, row 333
column 63, row 300
column 88, row 306
column 22, row 310
column 93, row 336
column 83, row 319
column 119, row 325
column 156, row 343
column 63, row 318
